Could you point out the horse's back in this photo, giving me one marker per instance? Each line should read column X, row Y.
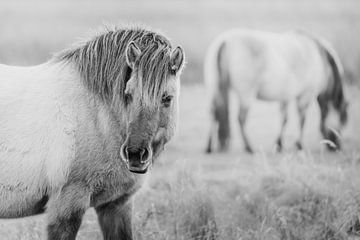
column 272, row 66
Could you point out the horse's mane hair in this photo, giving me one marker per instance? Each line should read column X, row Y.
column 101, row 62
column 335, row 89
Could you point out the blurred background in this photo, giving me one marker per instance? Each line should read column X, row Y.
column 311, row 194
column 32, row 30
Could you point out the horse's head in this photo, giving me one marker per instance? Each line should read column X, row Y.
column 334, row 118
column 332, row 101
column 343, row 113
column 151, row 104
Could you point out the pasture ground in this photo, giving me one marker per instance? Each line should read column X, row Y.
column 306, row 195
column 311, row 194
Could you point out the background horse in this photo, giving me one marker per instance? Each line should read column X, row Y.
column 76, row 131
column 274, row 67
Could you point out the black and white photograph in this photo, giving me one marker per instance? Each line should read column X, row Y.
column 179, row 120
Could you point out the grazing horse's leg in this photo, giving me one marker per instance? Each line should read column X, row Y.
column 115, row 219
column 324, row 111
column 302, row 106
column 209, row 144
column 243, row 112
column 65, row 213
column 211, row 135
column 284, row 112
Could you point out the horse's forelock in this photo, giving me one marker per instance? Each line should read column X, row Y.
column 103, row 67
column 154, row 70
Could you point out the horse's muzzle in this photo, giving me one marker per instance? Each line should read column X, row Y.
column 334, row 138
column 137, row 160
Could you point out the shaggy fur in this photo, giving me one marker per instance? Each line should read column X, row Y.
column 64, row 126
column 102, row 62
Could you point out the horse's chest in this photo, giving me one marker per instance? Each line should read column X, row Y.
column 115, row 187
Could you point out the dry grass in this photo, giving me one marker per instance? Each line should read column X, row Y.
column 190, row 195
column 295, row 195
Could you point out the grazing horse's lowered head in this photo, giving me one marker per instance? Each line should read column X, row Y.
column 332, row 102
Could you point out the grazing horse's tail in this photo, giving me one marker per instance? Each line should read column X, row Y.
column 217, row 79
column 335, row 92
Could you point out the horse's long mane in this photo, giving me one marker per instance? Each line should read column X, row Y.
column 101, row 62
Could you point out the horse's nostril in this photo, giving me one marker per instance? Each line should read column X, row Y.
column 144, row 153
column 141, row 154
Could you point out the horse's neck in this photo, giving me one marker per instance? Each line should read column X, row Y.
column 334, row 90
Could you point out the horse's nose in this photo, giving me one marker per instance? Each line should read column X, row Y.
column 135, row 154
column 140, row 154
column 137, row 160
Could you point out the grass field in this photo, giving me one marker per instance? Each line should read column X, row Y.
column 306, row 195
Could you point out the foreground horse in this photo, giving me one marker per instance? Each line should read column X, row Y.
column 80, row 130
column 275, row 67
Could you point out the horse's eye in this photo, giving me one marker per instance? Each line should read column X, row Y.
column 128, row 98
column 166, row 100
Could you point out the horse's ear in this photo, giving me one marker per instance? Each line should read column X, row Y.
column 177, row 60
column 132, row 54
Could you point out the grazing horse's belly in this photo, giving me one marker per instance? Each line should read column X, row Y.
column 36, row 137
column 270, row 92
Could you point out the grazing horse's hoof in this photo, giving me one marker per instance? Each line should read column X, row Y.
column 248, row 149
column 299, row 146
column 224, row 147
column 208, row 150
column 279, row 146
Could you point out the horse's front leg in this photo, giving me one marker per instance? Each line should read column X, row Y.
column 242, row 117
column 115, row 219
column 302, row 106
column 213, row 126
column 284, row 113
column 65, row 212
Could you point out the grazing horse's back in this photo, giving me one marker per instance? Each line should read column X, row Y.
column 267, row 66
column 37, row 138
column 263, row 63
